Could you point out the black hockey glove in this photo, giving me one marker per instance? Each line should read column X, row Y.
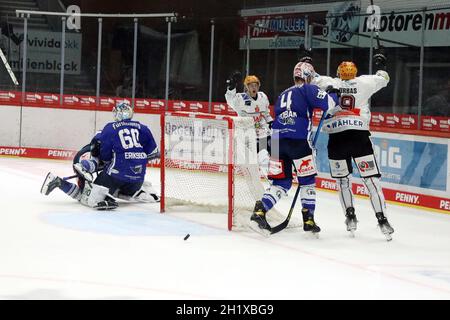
column 330, row 89
column 379, row 58
column 154, row 155
column 95, row 148
column 234, row 79
column 305, row 55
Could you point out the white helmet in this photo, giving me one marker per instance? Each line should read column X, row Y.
column 305, row 71
column 122, row 111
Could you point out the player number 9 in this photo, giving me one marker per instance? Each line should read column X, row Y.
column 347, row 102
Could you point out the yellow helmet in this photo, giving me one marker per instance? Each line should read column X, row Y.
column 347, row 70
column 251, row 79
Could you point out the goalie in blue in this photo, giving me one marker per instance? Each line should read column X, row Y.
column 291, row 147
column 122, row 149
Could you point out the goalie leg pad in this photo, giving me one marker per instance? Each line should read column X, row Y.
column 94, row 195
column 146, row 194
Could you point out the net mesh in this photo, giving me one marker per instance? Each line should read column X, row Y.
column 196, row 166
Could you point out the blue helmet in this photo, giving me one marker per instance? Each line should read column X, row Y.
column 122, row 111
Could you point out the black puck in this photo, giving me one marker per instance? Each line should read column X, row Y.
column 187, row 236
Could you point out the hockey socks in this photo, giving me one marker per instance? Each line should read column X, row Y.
column 272, row 196
column 70, row 189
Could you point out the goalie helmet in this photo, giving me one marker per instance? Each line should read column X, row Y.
column 347, row 70
column 304, row 71
column 122, row 111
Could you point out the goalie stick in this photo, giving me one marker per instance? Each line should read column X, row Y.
column 150, row 157
column 285, row 223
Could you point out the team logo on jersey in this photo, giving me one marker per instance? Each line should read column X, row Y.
column 137, row 169
column 306, row 166
column 288, row 117
column 365, row 166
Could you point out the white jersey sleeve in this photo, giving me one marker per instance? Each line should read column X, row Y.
column 323, row 82
column 257, row 108
column 366, row 86
column 373, row 83
column 265, row 107
column 235, row 101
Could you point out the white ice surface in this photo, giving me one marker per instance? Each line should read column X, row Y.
column 54, row 248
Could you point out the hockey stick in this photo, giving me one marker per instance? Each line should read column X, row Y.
column 285, row 223
column 8, row 68
column 77, row 175
column 377, row 35
column 153, row 156
column 99, row 168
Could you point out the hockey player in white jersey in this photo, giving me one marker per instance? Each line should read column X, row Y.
column 349, row 136
column 252, row 103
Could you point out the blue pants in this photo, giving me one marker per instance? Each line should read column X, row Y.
column 113, row 184
column 284, row 152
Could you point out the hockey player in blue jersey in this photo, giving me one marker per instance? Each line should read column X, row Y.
column 291, row 132
column 124, row 146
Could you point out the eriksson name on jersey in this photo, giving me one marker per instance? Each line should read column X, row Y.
column 135, row 155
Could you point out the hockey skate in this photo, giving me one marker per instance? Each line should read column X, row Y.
column 350, row 221
column 107, row 204
column 384, row 225
column 309, row 225
column 258, row 220
column 51, row 182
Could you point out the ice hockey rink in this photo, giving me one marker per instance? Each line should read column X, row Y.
column 54, row 248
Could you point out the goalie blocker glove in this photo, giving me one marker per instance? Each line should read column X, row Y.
column 234, row 79
column 379, row 58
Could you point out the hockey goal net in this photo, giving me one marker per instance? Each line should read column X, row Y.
column 211, row 161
